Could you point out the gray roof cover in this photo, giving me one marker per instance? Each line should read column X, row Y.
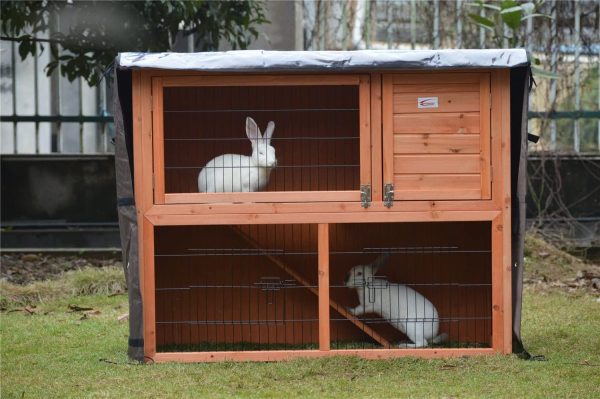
column 261, row 60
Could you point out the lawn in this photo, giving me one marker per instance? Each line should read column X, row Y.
column 52, row 351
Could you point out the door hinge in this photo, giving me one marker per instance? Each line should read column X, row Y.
column 365, row 195
column 388, row 195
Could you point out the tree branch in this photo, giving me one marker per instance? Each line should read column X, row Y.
column 33, row 39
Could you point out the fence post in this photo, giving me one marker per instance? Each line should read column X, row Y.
column 459, row 25
column 436, row 24
column 413, row 23
column 576, row 123
column 553, row 68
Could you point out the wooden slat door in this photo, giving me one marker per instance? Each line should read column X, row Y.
column 436, row 135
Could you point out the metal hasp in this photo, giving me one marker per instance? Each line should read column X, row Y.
column 365, row 195
column 388, row 195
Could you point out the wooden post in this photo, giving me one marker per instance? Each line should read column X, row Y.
column 323, row 238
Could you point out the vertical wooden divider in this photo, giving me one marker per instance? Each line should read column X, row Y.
column 159, row 140
column 498, row 310
column 501, row 195
column 387, row 98
column 484, row 136
column 323, row 249
column 376, row 162
column 365, row 129
column 149, row 309
column 506, row 212
column 142, row 136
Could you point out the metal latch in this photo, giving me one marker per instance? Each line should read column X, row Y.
column 388, row 195
column 365, row 195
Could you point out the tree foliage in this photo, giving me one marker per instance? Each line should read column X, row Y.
column 508, row 15
column 98, row 30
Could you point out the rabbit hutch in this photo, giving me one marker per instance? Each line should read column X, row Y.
column 306, row 204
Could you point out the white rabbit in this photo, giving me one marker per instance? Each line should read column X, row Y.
column 403, row 307
column 241, row 173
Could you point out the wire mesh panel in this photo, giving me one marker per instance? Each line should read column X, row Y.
column 236, row 288
column 261, row 138
column 411, row 285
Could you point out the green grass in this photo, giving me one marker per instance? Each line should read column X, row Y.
column 53, row 353
column 84, row 281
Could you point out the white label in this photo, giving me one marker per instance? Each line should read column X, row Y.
column 427, row 102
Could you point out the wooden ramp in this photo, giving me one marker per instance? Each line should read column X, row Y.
column 298, row 277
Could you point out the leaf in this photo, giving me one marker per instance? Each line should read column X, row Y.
column 512, row 17
column 24, row 49
column 511, row 10
column 542, row 73
column 536, row 15
column 484, row 5
column 483, row 21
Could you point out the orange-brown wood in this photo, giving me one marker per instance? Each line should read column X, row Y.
column 484, row 129
column 442, row 123
column 142, row 108
column 261, row 80
column 158, row 141
column 336, row 306
column 441, row 161
column 196, row 129
column 271, row 356
column 436, row 144
column 426, row 78
column 365, row 129
column 439, row 186
column 323, row 238
column 323, row 207
column 283, row 196
column 437, row 140
column 455, row 163
column 376, row 139
column 506, row 212
column 138, row 171
column 146, row 162
column 233, row 218
column 448, row 102
column 149, row 291
column 406, row 87
column 388, row 129
column 499, row 312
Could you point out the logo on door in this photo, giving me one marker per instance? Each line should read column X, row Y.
column 427, row 102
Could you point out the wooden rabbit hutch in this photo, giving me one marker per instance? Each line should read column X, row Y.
column 381, row 227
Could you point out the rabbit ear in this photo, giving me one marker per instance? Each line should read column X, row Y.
column 380, row 261
column 269, row 132
column 252, row 129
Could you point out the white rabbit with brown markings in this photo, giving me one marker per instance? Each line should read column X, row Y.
column 241, row 173
column 403, row 307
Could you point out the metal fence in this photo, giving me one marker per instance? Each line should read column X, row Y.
column 564, row 111
column 41, row 114
column 48, row 114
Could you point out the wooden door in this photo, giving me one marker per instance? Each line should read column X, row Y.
column 436, row 135
column 322, row 135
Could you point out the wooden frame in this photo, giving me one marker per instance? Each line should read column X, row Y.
column 160, row 82
column 155, row 208
column 501, row 320
column 437, row 155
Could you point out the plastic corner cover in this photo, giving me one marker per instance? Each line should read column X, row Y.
column 261, row 60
